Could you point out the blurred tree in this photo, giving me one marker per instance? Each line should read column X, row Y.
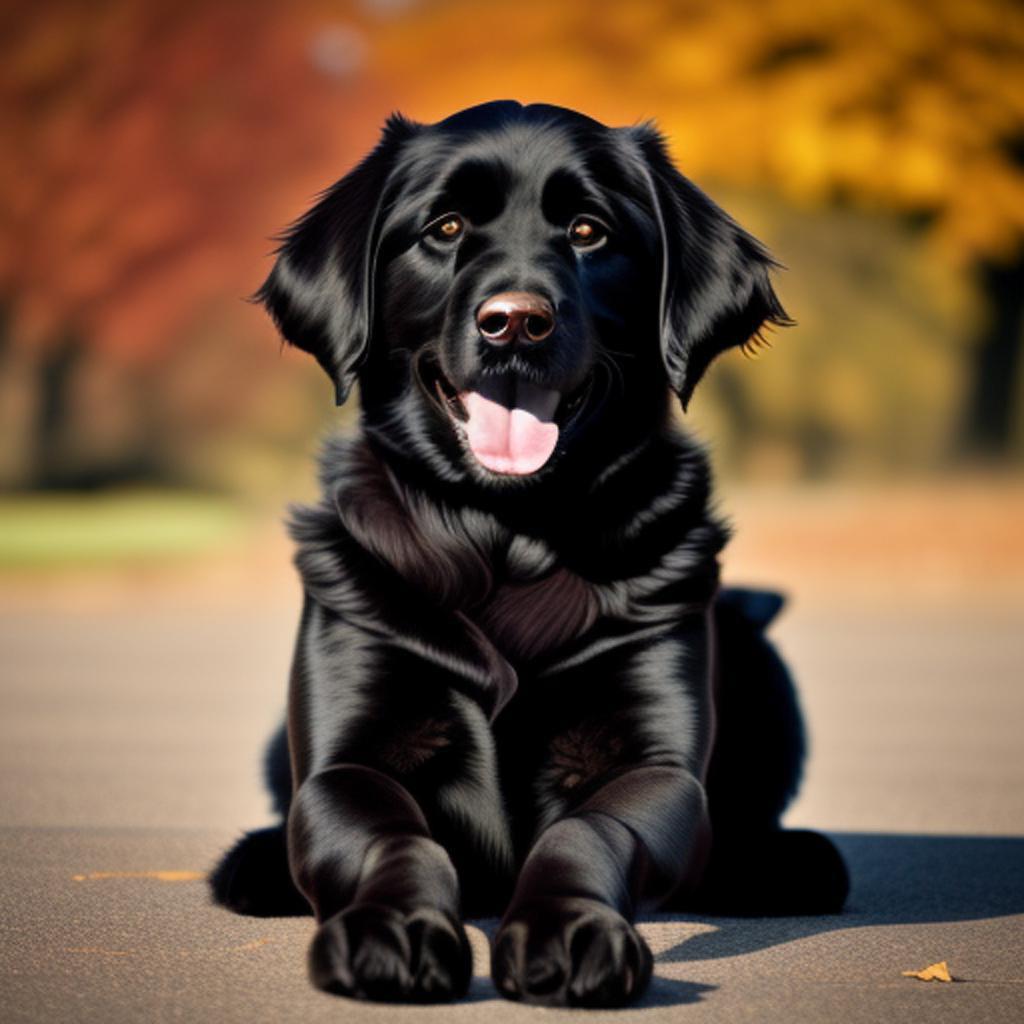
column 910, row 107
column 990, row 413
column 149, row 149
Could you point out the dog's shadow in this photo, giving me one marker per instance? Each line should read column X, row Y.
column 895, row 879
column 660, row 992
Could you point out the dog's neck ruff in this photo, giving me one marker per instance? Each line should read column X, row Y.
column 382, row 553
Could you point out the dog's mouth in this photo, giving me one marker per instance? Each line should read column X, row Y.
column 508, row 423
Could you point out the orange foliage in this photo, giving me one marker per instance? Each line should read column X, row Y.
column 152, row 148
column 901, row 105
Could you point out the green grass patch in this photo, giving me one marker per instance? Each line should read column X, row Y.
column 52, row 531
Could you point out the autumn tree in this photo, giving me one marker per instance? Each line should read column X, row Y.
column 149, row 152
column 915, row 108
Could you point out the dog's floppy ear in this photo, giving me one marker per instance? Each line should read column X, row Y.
column 320, row 291
column 715, row 287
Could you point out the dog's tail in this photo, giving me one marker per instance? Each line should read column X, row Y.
column 758, row 607
column 253, row 877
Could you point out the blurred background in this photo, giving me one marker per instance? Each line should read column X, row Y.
column 153, row 427
column 151, row 151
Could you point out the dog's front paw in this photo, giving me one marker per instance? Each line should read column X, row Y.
column 369, row 951
column 570, row 952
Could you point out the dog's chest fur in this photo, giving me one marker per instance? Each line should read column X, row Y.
column 517, row 593
column 510, row 585
column 525, row 620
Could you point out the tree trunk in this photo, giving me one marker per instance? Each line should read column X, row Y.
column 52, row 428
column 992, row 391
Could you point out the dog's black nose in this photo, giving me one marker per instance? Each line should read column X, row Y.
column 510, row 316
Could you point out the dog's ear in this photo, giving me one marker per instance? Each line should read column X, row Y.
column 320, row 291
column 715, row 286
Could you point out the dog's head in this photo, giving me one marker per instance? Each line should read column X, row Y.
column 512, row 280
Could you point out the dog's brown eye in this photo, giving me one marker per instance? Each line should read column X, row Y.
column 446, row 228
column 586, row 232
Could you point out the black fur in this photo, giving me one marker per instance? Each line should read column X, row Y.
column 522, row 695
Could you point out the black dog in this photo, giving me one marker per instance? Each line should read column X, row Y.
column 517, row 688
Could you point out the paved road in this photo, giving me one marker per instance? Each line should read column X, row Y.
column 129, row 741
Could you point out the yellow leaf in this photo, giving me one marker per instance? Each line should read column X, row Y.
column 934, row 972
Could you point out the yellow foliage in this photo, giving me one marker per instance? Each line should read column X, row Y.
column 935, row 972
column 908, row 106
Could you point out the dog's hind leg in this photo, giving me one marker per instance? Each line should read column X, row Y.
column 277, row 771
column 253, row 876
column 755, row 866
column 777, row 873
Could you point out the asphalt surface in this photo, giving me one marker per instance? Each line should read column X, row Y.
column 129, row 748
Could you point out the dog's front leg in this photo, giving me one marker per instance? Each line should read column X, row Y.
column 385, row 747
column 625, row 826
column 567, row 937
column 384, row 892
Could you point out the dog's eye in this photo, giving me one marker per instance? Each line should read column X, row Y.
column 445, row 228
column 587, row 232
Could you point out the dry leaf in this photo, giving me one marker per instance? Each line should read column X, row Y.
column 934, row 972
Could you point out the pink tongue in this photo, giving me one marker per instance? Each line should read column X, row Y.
column 516, row 440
